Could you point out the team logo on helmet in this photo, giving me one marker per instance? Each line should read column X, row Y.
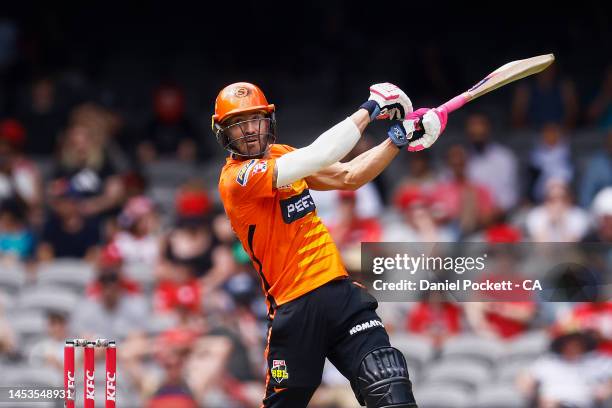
column 241, row 92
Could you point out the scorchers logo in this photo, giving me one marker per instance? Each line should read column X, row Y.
column 251, row 168
column 296, row 207
column 365, row 326
column 244, row 172
column 241, row 92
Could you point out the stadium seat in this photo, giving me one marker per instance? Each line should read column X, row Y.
column 527, row 346
column 37, row 404
column 12, row 277
column 432, row 396
column 70, row 273
column 417, row 350
column 141, row 273
column 29, row 376
column 7, row 301
column 475, row 347
column 158, row 324
column 209, row 172
column 28, row 324
column 45, row 298
column 464, row 373
column 507, row 371
column 498, row 396
column 169, row 172
column 164, row 197
column 45, row 166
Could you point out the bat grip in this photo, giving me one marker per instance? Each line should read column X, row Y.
column 454, row 104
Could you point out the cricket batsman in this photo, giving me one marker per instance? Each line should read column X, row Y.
column 315, row 309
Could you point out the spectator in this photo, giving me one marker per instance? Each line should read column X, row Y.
column 435, row 317
column 369, row 196
column 550, row 159
column 115, row 314
column 109, row 124
column 170, row 133
column 192, row 244
column 135, row 184
column 108, row 260
column 500, row 320
column 43, row 115
column 418, row 221
column 241, row 328
column 19, row 177
column 491, row 164
column 190, row 366
column 598, row 173
column 501, row 314
column 602, row 213
column 350, row 230
column 9, row 346
column 49, row 350
column 545, row 99
column 139, row 239
column 180, row 291
column 16, row 239
column 468, row 206
column 223, row 232
column 500, row 230
column 420, row 173
column 85, row 172
column 67, row 234
column 557, row 219
column 368, row 201
column 173, row 391
column 570, row 376
column 593, row 318
column 599, row 112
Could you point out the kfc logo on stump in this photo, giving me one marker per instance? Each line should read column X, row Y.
column 111, row 386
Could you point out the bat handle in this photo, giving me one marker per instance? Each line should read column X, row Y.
column 454, row 104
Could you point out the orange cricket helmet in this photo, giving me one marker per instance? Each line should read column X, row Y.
column 240, row 98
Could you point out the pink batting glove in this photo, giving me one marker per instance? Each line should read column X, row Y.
column 430, row 123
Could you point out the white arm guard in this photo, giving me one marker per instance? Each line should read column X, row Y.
column 326, row 150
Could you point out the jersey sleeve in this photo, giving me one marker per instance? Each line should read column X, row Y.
column 252, row 179
column 285, row 148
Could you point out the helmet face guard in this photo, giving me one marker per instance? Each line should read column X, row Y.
column 249, row 138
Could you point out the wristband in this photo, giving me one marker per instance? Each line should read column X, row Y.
column 372, row 108
column 398, row 136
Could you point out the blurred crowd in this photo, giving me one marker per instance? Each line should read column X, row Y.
column 137, row 206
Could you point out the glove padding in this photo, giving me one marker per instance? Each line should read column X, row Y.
column 394, row 104
column 429, row 125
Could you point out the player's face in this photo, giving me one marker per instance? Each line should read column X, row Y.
column 248, row 133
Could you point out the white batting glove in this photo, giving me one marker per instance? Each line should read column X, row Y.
column 387, row 101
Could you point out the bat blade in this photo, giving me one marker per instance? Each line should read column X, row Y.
column 510, row 72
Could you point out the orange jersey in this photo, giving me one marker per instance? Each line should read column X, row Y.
column 279, row 228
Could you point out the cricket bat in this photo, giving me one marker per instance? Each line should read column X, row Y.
column 510, row 72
